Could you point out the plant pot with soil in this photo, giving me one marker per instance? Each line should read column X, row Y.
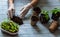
column 34, row 20
column 44, row 17
column 53, row 26
column 36, row 11
column 55, row 14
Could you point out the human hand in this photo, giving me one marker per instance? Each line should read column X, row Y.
column 25, row 10
column 11, row 11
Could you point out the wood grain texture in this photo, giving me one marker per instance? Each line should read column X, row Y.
column 26, row 30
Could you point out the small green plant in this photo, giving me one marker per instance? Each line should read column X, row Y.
column 55, row 14
column 44, row 17
column 46, row 14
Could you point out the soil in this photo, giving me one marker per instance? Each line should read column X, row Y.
column 55, row 16
column 17, row 20
column 43, row 19
column 37, row 10
column 34, row 18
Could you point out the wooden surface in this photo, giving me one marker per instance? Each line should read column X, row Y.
column 26, row 30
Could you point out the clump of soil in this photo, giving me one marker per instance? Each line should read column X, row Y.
column 17, row 20
column 37, row 11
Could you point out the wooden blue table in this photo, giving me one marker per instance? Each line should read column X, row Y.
column 26, row 30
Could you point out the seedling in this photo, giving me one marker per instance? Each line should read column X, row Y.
column 44, row 18
column 55, row 14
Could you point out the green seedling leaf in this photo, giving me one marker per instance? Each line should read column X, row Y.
column 55, row 10
column 46, row 14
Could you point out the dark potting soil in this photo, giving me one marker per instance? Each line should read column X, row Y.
column 17, row 20
column 37, row 9
column 43, row 19
column 55, row 16
column 34, row 18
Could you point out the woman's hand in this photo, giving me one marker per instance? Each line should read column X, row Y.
column 25, row 9
column 11, row 11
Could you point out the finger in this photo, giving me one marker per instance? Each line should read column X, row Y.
column 21, row 8
column 13, row 11
column 10, row 15
column 25, row 10
column 23, row 13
